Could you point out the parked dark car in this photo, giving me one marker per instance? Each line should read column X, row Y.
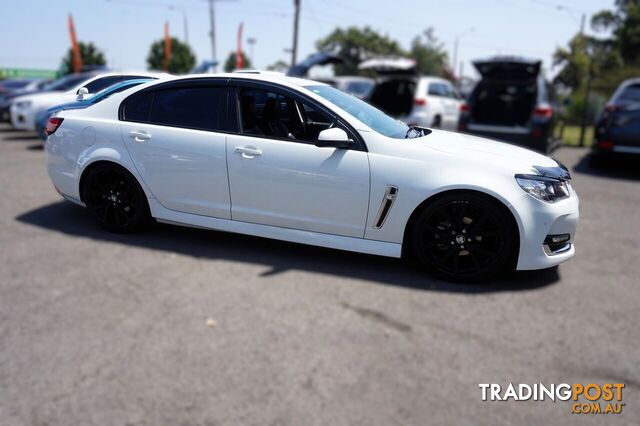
column 512, row 102
column 617, row 129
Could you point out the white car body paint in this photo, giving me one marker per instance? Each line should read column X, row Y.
column 301, row 193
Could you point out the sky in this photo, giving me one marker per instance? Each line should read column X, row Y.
column 34, row 33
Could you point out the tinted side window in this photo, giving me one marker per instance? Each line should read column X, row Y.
column 270, row 114
column 137, row 106
column 201, row 108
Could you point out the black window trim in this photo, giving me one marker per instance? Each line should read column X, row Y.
column 240, row 83
column 231, row 124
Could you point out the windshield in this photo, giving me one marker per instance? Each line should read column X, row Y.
column 68, row 82
column 372, row 117
column 111, row 90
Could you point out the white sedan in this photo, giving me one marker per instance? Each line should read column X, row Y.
column 296, row 160
column 24, row 109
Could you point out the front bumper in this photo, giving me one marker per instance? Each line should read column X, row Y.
column 22, row 118
column 541, row 220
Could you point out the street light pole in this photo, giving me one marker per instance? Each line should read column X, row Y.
column 455, row 49
column 251, row 41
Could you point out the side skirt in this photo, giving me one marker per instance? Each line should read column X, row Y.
column 359, row 245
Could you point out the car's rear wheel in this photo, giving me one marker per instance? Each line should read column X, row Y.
column 115, row 198
column 463, row 237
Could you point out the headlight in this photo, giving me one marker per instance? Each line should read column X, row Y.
column 544, row 188
column 23, row 104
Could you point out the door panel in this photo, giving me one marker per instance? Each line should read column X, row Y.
column 298, row 185
column 185, row 169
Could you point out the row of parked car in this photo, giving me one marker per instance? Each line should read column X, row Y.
column 512, row 101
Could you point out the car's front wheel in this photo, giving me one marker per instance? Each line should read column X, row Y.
column 115, row 198
column 463, row 237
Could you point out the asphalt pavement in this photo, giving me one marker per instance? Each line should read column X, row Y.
column 179, row 326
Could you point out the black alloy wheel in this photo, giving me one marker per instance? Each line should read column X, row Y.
column 463, row 237
column 115, row 198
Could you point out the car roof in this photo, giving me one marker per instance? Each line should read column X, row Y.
column 138, row 74
column 266, row 76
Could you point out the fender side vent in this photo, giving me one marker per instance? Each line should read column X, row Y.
column 385, row 207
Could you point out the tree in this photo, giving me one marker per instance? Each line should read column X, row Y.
column 279, row 66
column 430, row 55
column 624, row 25
column 585, row 56
column 91, row 55
column 230, row 63
column 181, row 61
column 353, row 45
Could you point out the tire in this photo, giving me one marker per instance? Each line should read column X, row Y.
column 116, row 199
column 437, row 122
column 463, row 237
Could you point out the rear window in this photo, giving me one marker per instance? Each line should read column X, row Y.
column 630, row 93
column 192, row 107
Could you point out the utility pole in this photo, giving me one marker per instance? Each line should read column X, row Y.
column 212, row 33
column 296, row 18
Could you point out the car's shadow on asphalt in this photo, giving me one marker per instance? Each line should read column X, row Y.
column 29, row 137
column 277, row 255
column 619, row 167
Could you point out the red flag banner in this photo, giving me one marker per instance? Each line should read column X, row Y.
column 75, row 48
column 167, row 47
column 239, row 56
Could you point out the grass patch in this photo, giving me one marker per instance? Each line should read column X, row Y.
column 571, row 136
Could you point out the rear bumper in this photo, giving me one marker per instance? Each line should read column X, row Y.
column 521, row 136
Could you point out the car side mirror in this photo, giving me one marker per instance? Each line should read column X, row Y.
column 333, row 138
column 82, row 92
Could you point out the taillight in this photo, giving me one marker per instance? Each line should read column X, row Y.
column 604, row 144
column 543, row 112
column 464, row 107
column 420, row 101
column 52, row 125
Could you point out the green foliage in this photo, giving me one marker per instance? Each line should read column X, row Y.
column 181, row 61
column 430, row 55
column 230, row 63
column 353, row 45
column 624, row 25
column 91, row 55
column 279, row 66
column 573, row 112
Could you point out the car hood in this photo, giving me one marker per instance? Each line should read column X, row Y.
column 474, row 149
column 47, row 98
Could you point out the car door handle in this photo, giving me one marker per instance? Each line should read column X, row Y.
column 140, row 136
column 248, row 151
